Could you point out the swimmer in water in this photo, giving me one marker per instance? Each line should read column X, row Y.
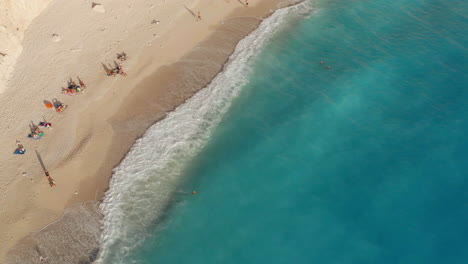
column 329, row 67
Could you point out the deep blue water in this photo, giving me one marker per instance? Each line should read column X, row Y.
column 363, row 163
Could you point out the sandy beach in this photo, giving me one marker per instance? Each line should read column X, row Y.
column 172, row 54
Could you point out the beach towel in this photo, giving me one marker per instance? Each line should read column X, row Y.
column 21, row 152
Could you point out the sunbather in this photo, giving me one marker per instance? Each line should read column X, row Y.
column 59, row 107
column 37, row 134
column 19, row 148
column 45, row 124
column 120, row 69
column 122, row 56
column 111, row 73
column 82, row 84
column 68, row 91
column 20, row 151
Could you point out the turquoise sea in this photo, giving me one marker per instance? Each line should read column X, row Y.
column 366, row 162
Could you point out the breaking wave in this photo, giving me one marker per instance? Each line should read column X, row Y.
column 142, row 184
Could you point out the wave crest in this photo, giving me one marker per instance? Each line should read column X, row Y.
column 142, row 184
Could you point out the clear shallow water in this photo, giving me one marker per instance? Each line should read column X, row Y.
column 364, row 163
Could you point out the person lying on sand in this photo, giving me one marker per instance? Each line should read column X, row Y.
column 120, row 69
column 20, row 151
column 72, row 84
column 82, row 84
column 117, row 70
column 19, row 148
column 59, row 107
column 37, row 134
column 72, row 88
column 72, row 91
column 111, row 73
column 45, row 124
column 68, row 91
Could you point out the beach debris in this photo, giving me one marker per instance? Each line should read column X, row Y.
column 56, row 38
column 155, row 21
column 98, row 8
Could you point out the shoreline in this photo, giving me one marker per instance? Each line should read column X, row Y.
column 109, row 133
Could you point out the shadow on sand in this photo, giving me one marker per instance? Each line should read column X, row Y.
column 106, row 69
column 191, row 12
column 39, row 158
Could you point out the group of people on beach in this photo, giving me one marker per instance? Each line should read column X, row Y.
column 118, row 68
column 36, row 133
column 72, row 89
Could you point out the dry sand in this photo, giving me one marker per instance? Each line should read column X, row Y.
column 15, row 18
column 167, row 48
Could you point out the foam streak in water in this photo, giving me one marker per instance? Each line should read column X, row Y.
column 142, row 184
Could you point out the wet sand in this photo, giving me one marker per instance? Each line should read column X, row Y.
column 74, row 238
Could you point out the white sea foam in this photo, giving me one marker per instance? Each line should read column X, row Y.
column 142, row 184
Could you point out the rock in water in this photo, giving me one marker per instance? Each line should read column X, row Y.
column 98, row 8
